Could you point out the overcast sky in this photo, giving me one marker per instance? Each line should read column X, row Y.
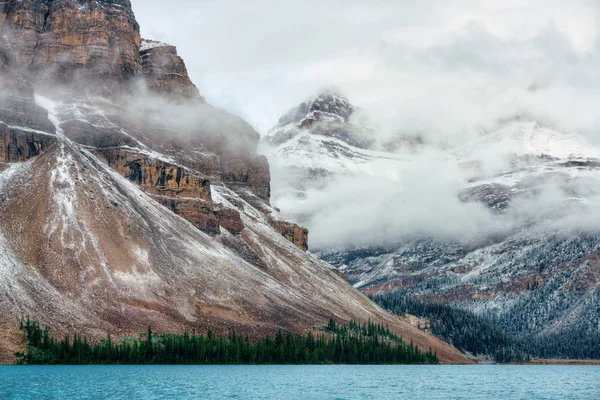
column 447, row 70
column 441, row 66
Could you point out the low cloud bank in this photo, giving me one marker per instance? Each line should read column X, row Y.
column 447, row 72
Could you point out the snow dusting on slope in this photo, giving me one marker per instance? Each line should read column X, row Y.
column 529, row 138
column 151, row 44
column 320, row 152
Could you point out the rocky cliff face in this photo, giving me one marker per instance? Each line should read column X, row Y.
column 155, row 176
column 17, row 145
column 22, row 22
column 199, row 213
column 67, row 37
column 166, row 72
column 176, row 187
column 293, row 232
column 251, row 173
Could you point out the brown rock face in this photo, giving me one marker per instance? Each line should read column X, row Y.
column 294, row 233
column 175, row 187
column 207, row 165
column 253, row 174
column 230, row 219
column 199, row 212
column 21, row 23
column 157, row 177
column 166, row 72
column 171, row 185
column 60, row 37
column 18, row 145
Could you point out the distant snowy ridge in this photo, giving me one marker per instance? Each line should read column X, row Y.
column 529, row 138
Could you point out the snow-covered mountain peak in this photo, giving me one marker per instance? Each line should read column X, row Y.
column 328, row 104
column 327, row 114
column 530, row 139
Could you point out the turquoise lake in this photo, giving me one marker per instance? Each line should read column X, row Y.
column 300, row 382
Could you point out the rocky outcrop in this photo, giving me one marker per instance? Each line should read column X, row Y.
column 25, row 130
column 173, row 186
column 495, row 196
column 166, row 72
column 156, row 176
column 162, row 178
column 199, row 212
column 229, row 219
column 101, row 36
column 176, row 188
column 253, row 174
column 56, row 38
column 326, row 106
column 294, row 233
column 204, row 215
column 207, row 165
column 17, row 145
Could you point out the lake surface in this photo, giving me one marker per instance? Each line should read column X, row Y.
column 300, row 382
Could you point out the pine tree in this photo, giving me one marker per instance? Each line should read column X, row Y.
column 149, row 347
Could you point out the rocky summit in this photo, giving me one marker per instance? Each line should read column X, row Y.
column 329, row 114
column 127, row 201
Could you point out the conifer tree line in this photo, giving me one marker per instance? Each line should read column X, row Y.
column 463, row 329
column 499, row 336
column 575, row 338
column 356, row 343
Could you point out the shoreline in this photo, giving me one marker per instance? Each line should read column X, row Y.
column 543, row 361
column 538, row 362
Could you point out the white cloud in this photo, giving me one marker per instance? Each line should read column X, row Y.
column 260, row 58
column 446, row 69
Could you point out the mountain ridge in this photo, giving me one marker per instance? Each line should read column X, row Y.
column 519, row 246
